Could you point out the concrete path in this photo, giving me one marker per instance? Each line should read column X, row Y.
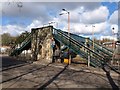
column 38, row 76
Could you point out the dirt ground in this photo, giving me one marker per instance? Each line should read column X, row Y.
column 22, row 74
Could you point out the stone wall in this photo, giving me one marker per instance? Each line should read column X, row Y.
column 41, row 44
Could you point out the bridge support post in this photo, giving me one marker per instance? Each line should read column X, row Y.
column 69, row 59
column 88, row 60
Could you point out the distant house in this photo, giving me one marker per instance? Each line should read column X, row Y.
column 4, row 49
column 111, row 44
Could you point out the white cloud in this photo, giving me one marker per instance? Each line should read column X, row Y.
column 41, row 9
column 78, row 28
column 82, row 15
column 114, row 18
column 34, row 24
column 29, row 10
column 14, row 30
column 40, row 13
column 96, row 16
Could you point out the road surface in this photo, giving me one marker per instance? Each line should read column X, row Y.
column 22, row 74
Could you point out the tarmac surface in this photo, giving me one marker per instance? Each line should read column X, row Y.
column 36, row 75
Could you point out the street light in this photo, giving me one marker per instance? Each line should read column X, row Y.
column 92, row 35
column 48, row 23
column 80, row 13
column 19, row 5
column 92, row 43
column 113, row 45
column 53, row 22
column 68, row 13
column 68, row 19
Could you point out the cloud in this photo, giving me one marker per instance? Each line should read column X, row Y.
column 86, row 16
column 28, row 10
column 114, row 18
column 88, row 28
column 114, row 23
column 41, row 10
column 34, row 24
column 71, row 5
column 96, row 16
column 39, row 13
column 14, row 30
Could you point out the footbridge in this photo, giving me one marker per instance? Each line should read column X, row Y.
column 40, row 37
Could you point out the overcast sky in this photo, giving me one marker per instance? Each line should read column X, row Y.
column 20, row 17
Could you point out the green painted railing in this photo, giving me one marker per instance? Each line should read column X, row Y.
column 25, row 42
column 101, row 48
column 79, row 48
column 97, row 47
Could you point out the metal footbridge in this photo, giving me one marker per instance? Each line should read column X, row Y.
column 82, row 46
column 25, row 45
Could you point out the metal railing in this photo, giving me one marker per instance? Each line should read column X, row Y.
column 15, row 51
column 79, row 48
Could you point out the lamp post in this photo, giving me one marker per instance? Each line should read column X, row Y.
column 80, row 13
column 113, row 45
column 68, row 13
column 93, row 35
column 92, row 43
column 53, row 22
column 49, row 23
column 19, row 5
column 56, row 21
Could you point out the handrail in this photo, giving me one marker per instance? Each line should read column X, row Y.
column 97, row 46
column 89, row 49
column 81, row 44
column 102, row 46
column 101, row 55
column 27, row 38
column 98, row 62
column 102, row 50
column 22, row 44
